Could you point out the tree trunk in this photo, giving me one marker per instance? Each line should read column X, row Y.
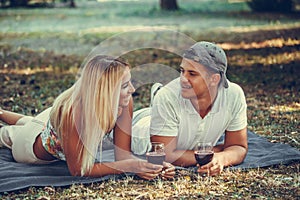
column 168, row 4
column 72, row 4
column 18, row 3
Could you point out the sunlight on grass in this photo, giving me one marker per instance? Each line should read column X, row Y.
column 276, row 42
column 266, row 60
column 27, row 71
column 118, row 29
column 286, row 108
column 266, row 27
column 31, row 71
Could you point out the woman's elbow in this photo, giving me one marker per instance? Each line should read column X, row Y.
column 74, row 170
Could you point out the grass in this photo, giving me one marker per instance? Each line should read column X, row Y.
column 41, row 51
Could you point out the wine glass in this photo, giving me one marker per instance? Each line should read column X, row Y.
column 157, row 153
column 203, row 152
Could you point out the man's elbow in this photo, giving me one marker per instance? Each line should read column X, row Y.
column 243, row 150
column 177, row 160
column 171, row 157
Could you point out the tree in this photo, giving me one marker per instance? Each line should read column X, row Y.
column 168, row 4
column 72, row 4
column 18, row 3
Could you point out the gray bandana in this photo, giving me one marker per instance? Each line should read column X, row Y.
column 209, row 55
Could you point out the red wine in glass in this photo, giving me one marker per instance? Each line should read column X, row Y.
column 203, row 157
column 203, row 152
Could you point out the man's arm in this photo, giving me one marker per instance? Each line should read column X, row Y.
column 235, row 147
column 234, row 152
column 177, row 157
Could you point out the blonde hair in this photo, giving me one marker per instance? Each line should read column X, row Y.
column 90, row 105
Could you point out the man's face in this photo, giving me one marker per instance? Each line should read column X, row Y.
column 194, row 80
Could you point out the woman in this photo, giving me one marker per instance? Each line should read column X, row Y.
column 73, row 129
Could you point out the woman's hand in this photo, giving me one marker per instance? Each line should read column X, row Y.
column 214, row 167
column 144, row 169
column 168, row 171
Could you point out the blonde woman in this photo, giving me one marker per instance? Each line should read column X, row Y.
column 74, row 127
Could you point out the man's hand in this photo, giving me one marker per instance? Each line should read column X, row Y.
column 214, row 167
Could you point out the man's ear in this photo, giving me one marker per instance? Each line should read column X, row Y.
column 215, row 78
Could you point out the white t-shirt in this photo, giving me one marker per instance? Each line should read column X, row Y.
column 172, row 115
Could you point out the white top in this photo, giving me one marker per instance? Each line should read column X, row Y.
column 172, row 115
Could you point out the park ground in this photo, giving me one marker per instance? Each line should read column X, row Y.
column 42, row 49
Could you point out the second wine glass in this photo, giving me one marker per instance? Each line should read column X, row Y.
column 203, row 152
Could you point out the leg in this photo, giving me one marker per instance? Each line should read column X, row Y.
column 5, row 139
column 44, row 115
column 7, row 132
column 23, row 146
column 16, row 122
column 10, row 118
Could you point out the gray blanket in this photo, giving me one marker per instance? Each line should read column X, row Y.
column 15, row 176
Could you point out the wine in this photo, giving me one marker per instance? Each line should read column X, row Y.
column 156, row 158
column 203, row 157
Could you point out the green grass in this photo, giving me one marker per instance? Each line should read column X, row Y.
column 57, row 28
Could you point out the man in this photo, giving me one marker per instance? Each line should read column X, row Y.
column 200, row 106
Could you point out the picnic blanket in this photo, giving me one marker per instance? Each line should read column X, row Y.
column 15, row 176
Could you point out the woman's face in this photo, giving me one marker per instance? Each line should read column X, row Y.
column 126, row 88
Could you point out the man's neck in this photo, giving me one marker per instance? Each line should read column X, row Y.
column 204, row 104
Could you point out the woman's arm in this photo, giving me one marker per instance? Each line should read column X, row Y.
column 122, row 133
column 72, row 146
column 122, row 141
